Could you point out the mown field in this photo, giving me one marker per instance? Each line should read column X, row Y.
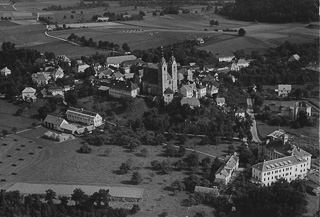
column 60, row 163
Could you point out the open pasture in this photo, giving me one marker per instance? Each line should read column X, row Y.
column 38, row 5
column 6, row 7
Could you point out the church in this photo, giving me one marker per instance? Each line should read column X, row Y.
column 161, row 79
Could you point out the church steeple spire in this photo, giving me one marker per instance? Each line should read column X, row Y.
column 162, row 60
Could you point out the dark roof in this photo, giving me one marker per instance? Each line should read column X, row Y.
column 150, row 75
column 168, row 91
column 122, row 85
column 82, row 111
column 131, row 62
column 53, row 120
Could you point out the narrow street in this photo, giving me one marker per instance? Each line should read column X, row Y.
column 254, row 131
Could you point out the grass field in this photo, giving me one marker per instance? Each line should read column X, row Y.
column 58, row 163
column 8, row 120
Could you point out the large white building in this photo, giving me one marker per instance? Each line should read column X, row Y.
column 288, row 168
column 83, row 116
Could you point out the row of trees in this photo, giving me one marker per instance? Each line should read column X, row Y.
column 272, row 11
column 97, row 205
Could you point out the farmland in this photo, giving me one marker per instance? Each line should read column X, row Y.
column 59, row 163
column 155, row 31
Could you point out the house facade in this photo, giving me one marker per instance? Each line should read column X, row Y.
column 288, row 168
column 283, row 90
column 41, row 78
column 83, row 116
column 119, row 88
column 28, row 93
column 187, row 91
column 224, row 173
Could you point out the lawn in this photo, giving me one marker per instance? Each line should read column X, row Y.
column 58, row 163
column 8, row 120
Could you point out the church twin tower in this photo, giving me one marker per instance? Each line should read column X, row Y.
column 168, row 75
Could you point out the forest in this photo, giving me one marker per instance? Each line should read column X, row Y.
column 272, row 11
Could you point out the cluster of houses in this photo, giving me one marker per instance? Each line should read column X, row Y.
column 282, row 160
column 80, row 121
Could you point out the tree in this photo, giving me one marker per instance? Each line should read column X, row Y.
column 241, row 32
column 85, row 149
column 166, row 167
column 101, row 198
column 78, row 196
column 133, row 144
column 125, row 47
column 50, row 195
column 125, row 166
column 136, row 178
column 192, row 159
column 144, row 152
column 34, row 124
column 302, row 118
column 5, row 132
column 177, row 186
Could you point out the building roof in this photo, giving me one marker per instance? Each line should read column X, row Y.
column 220, row 100
column 206, row 190
column 168, row 91
column 41, row 76
column 117, row 75
column 67, row 190
column 239, row 110
column 69, row 127
column 120, row 59
column 106, row 72
column 277, row 133
column 190, row 101
column 103, row 88
column 242, row 61
column 128, row 63
column 128, row 75
column 52, row 89
column 81, row 111
column 150, row 75
column 54, row 120
column 187, row 87
column 230, row 163
column 29, row 90
column 278, row 163
column 286, row 87
column 123, row 85
column 6, row 70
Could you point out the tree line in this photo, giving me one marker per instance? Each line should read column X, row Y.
column 282, row 11
column 51, row 205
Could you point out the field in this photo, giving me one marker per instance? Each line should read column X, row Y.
column 157, row 31
column 8, row 120
column 59, row 163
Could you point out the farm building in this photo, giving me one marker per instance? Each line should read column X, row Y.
column 117, row 60
column 123, row 194
column 54, row 122
column 205, row 190
column 57, row 137
column 83, row 116
column 103, row 19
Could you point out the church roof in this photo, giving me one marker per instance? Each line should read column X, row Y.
column 150, row 75
column 168, row 91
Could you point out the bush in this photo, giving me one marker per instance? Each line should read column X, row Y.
column 85, row 149
column 136, row 178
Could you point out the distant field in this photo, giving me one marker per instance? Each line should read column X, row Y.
column 6, row 7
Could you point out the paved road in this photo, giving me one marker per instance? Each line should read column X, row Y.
column 254, row 131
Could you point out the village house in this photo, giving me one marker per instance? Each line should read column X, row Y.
column 54, row 91
column 29, row 94
column 226, row 58
column 293, row 111
column 201, row 90
column 64, row 59
column 115, row 61
column 126, row 65
column 41, row 62
column 221, row 101
column 240, row 113
column 118, row 89
column 117, row 76
column 200, row 41
column 211, row 84
column 192, row 102
column 77, row 115
column 105, row 73
column 186, row 74
column 283, row 90
column 56, row 73
column 242, row 63
column 5, row 72
column 224, row 173
column 81, row 68
column 103, row 19
column 41, row 78
column 187, row 90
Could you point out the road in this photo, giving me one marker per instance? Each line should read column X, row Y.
column 61, row 39
column 254, row 131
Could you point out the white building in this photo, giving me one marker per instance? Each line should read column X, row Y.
column 283, row 90
column 83, row 116
column 29, row 93
column 289, row 168
column 5, row 71
column 103, row 19
column 117, row 60
column 225, row 171
column 226, row 58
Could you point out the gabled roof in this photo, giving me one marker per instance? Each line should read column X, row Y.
column 187, row 87
column 206, row 190
column 123, row 85
column 69, row 127
column 168, row 91
column 242, row 61
column 29, row 90
column 127, row 63
column 117, row 75
column 190, row 101
column 41, row 76
column 220, row 100
column 81, row 111
column 284, row 87
column 54, row 120
column 120, row 59
column 278, row 163
column 106, row 72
